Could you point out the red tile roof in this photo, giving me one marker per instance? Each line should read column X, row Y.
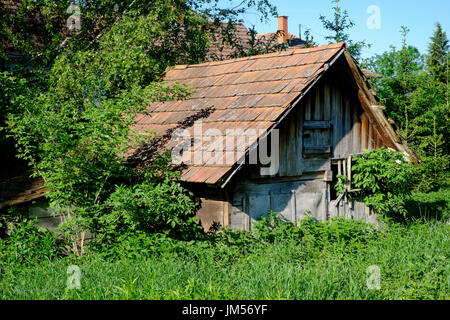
column 244, row 93
column 220, row 50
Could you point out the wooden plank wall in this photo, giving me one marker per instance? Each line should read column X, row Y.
column 328, row 123
column 212, row 211
column 352, row 210
column 291, row 147
column 350, row 129
column 292, row 199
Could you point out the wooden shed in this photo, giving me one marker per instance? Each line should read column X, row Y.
column 312, row 107
column 323, row 109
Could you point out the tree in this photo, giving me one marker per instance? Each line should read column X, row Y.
column 75, row 128
column 309, row 39
column 338, row 26
column 418, row 103
column 400, row 71
column 438, row 54
column 37, row 33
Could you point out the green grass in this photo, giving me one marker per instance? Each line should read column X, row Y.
column 429, row 206
column 414, row 264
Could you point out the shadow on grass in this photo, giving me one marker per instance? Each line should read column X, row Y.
column 428, row 206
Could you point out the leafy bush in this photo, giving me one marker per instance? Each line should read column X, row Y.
column 338, row 230
column 28, row 244
column 10, row 215
column 274, row 227
column 148, row 200
column 235, row 238
column 383, row 179
column 154, row 206
column 134, row 245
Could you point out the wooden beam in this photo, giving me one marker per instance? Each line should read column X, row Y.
column 226, row 210
column 310, row 149
column 364, row 131
column 317, row 125
column 344, row 173
column 347, row 139
column 377, row 107
column 294, row 207
column 371, row 141
column 339, row 198
column 317, row 105
column 356, row 128
column 349, row 172
column 308, row 109
column 336, row 114
column 326, row 101
column 328, row 176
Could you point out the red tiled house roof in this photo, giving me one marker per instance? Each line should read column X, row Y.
column 220, row 50
column 283, row 35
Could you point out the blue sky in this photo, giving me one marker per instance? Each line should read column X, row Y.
column 419, row 16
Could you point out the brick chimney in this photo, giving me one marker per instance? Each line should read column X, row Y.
column 283, row 27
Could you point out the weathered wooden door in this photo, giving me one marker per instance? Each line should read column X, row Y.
column 317, row 130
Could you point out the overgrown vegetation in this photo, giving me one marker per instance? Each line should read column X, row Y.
column 28, row 244
column 279, row 261
column 68, row 106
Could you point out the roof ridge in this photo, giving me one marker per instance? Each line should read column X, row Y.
column 253, row 71
column 289, row 51
column 272, row 33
